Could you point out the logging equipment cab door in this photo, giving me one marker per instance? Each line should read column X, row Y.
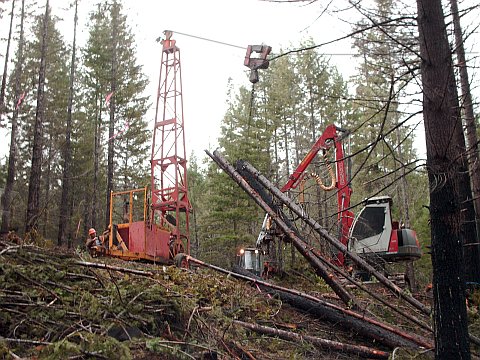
column 374, row 234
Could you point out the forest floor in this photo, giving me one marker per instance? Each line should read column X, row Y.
column 62, row 304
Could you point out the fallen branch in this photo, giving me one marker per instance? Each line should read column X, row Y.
column 25, row 341
column 115, row 268
column 328, row 276
column 348, row 319
column 358, row 350
column 332, row 240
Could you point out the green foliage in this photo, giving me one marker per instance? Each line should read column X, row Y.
column 111, row 47
column 162, row 347
column 87, row 343
column 273, row 132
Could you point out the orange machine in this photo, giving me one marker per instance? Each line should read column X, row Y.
column 152, row 223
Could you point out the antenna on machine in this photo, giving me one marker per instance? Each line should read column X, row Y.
column 170, row 203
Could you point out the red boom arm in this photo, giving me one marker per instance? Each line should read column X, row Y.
column 330, row 137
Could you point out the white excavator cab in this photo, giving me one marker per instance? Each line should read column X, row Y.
column 374, row 234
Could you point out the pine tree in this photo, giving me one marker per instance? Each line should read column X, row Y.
column 45, row 134
column 472, row 249
column 33, row 204
column 274, row 135
column 65, row 209
column 322, row 104
column 112, row 70
column 233, row 219
column 5, row 68
column 444, row 161
column 386, row 156
column 197, row 187
column 12, row 155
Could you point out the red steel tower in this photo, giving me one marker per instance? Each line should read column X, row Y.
column 170, row 204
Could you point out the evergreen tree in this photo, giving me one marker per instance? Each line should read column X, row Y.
column 33, row 203
column 233, row 219
column 7, row 52
column 472, row 249
column 444, row 135
column 48, row 47
column 323, row 104
column 65, row 208
column 112, row 70
column 385, row 156
column 12, row 155
column 274, row 136
column 197, row 187
column 380, row 84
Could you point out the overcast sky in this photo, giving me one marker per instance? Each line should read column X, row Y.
column 207, row 65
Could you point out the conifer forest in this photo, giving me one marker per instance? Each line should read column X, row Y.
column 335, row 217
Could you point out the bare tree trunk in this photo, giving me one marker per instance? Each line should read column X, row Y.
column 403, row 191
column 33, row 205
column 96, row 156
column 329, row 312
column 323, row 233
column 5, row 68
column 472, row 250
column 12, row 155
column 444, row 165
column 275, row 153
column 358, row 350
column 111, row 126
column 47, row 177
column 287, row 163
column 66, row 202
column 252, row 188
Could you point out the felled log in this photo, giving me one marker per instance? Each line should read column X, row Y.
column 332, row 240
column 383, row 301
column 346, row 319
column 323, row 310
column 114, row 268
column 359, row 350
column 328, row 276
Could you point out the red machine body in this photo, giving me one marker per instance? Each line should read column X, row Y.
column 372, row 233
column 331, row 137
column 153, row 224
column 170, row 205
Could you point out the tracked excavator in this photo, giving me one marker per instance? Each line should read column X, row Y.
column 371, row 234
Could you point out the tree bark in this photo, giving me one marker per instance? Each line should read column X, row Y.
column 111, row 126
column 359, row 350
column 472, row 249
column 444, row 165
column 12, row 155
column 5, row 68
column 66, row 200
column 33, row 205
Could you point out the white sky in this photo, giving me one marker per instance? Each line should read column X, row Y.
column 207, row 66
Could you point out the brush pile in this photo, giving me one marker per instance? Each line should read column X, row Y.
column 59, row 304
